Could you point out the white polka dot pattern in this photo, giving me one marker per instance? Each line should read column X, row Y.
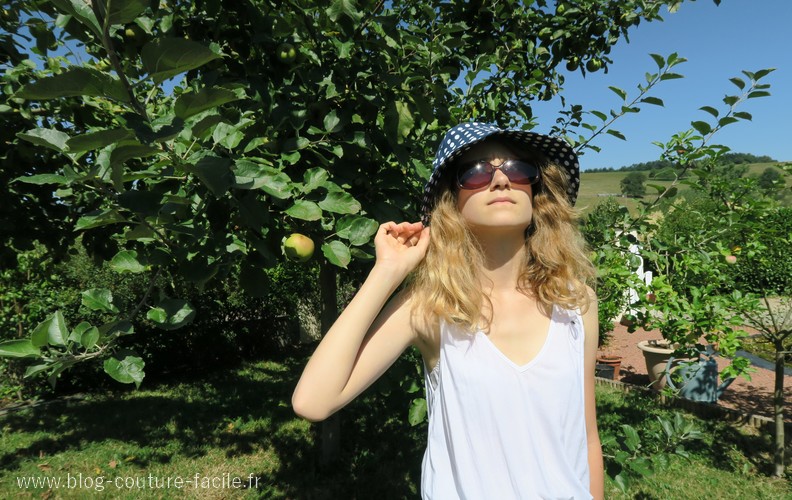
column 464, row 136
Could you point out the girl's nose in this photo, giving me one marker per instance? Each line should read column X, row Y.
column 499, row 179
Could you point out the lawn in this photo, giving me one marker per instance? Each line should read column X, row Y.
column 235, row 426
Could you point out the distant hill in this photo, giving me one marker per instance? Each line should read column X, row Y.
column 596, row 186
column 650, row 166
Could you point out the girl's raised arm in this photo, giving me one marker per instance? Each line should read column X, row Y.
column 365, row 339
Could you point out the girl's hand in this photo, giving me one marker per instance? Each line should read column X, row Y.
column 401, row 245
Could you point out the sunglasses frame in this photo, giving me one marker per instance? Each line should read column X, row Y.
column 490, row 169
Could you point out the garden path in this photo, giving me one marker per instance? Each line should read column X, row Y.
column 754, row 396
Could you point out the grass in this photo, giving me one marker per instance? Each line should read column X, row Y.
column 238, row 422
column 764, row 349
column 595, row 186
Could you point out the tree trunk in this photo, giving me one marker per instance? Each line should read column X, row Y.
column 778, row 411
column 330, row 428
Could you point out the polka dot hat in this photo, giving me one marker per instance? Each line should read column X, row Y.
column 466, row 135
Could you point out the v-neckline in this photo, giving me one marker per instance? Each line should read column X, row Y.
column 533, row 360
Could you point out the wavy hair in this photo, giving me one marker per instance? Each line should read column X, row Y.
column 556, row 270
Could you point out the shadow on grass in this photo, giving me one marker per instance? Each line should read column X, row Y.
column 380, row 453
column 725, row 446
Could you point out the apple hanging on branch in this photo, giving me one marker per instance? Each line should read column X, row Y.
column 298, row 247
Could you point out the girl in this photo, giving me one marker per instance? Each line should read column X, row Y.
column 498, row 307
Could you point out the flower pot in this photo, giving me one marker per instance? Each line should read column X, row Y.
column 656, row 354
column 612, row 361
column 604, row 371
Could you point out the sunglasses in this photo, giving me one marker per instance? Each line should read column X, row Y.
column 479, row 173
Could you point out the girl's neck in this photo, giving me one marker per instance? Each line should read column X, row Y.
column 504, row 257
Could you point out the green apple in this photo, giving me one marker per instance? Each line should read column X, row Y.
column 286, row 53
column 593, row 65
column 298, row 247
column 731, row 259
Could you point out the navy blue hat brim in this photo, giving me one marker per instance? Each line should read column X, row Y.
column 462, row 137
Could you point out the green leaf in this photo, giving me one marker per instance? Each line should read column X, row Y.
column 340, row 203
column 214, row 172
column 192, row 103
column 22, row 348
column 171, row 314
column 126, row 261
column 632, row 440
column 75, row 82
column 659, row 60
column 710, row 110
column 76, row 334
column 314, row 178
column 653, row 100
column 726, row 120
column 98, row 219
column 670, row 76
column 703, row 128
column 417, row 414
column 331, row 122
column 164, row 58
column 116, row 328
column 49, row 138
column 89, row 337
column 122, row 11
column 337, row 253
column 619, row 92
column 125, row 367
column 227, row 135
column 738, row 82
column 51, row 331
column 616, row 133
column 641, row 465
column 251, row 175
column 358, row 230
column 34, row 369
column 126, row 150
column 80, row 10
column 40, row 179
column 305, row 210
column 98, row 140
column 99, row 299
column 758, row 93
column 343, row 7
column 743, row 115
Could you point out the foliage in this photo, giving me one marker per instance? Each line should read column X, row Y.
column 238, row 421
column 196, row 136
column 633, row 185
column 604, row 230
column 652, row 167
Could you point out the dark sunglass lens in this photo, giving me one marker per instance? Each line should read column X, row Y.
column 521, row 172
column 474, row 176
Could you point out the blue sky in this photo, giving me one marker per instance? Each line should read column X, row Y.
column 718, row 42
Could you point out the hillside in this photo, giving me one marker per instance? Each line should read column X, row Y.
column 596, row 186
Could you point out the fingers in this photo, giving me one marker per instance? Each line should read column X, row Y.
column 406, row 233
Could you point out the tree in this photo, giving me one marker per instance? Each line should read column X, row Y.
column 282, row 119
column 770, row 179
column 633, row 185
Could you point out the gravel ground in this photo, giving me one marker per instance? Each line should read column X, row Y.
column 754, row 396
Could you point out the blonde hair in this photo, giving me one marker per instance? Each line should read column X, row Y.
column 556, row 269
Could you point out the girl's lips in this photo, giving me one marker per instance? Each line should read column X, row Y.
column 501, row 200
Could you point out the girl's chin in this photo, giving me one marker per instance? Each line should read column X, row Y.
column 499, row 225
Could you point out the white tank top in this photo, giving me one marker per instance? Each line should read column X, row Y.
column 499, row 430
